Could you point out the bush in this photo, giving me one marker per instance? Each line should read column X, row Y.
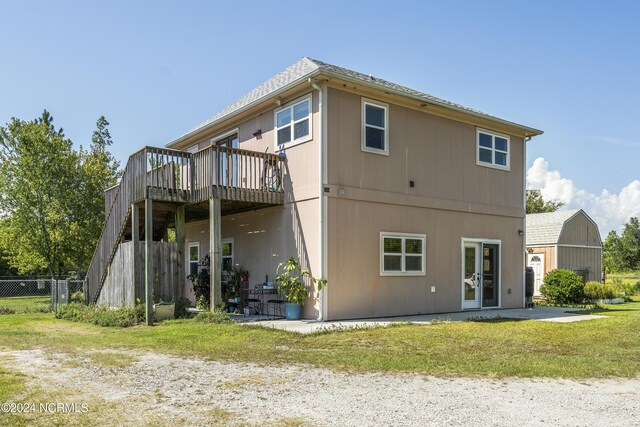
column 7, row 310
column 77, row 296
column 102, row 315
column 597, row 290
column 217, row 316
column 625, row 288
column 563, row 287
column 181, row 308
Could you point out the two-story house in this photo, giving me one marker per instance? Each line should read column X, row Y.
column 405, row 202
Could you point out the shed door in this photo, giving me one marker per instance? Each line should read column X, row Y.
column 536, row 261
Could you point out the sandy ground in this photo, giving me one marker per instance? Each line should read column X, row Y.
column 121, row 388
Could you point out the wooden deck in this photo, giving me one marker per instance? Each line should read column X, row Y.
column 233, row 175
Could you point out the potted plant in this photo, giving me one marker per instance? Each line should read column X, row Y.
column 290, row 277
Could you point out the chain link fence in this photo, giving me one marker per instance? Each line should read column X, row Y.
column 35, row 295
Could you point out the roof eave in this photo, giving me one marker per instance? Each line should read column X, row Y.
column 247, row 107
column 528, row 132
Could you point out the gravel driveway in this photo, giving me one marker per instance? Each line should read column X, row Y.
column 198, row 392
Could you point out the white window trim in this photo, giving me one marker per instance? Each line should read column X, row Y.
column 191, row 245
column 365, row 102
column 226, row 135
column 403, row 236
column 193, row 148
column 306, row 98
column 493, row 150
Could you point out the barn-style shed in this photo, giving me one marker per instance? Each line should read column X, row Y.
column 566, row 239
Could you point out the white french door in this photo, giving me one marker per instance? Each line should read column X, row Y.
column 472, row 275
column 480, row 274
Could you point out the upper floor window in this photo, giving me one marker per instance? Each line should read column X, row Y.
column 293, row 123
column 492, row 149
column 402, row 254
column 375, row 127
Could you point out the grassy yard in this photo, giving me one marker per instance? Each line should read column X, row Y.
column 601, row 348
column 29, row 304
column 503, row 347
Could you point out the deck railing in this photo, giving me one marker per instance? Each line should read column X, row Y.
column 176, row 176
column 237, row 174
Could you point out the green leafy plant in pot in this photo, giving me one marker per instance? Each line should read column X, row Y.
column 291, row 279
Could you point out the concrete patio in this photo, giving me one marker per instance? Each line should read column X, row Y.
column 543, row 314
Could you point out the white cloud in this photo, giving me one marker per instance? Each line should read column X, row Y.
column 610, row 211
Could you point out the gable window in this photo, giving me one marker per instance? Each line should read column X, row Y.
column 375, row 127
column 402, row 254
column 293, row 123
column 492, row 149
column 194, row 258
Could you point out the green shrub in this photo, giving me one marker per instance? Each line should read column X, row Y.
column 217, row 316
column 102, row 315
column 181, row 308
column 77, row 296
column 7, row 310
column 626, row 288
column 597, row 290
column 563, row 287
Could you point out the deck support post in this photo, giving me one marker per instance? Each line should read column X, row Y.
column 180, row 220
column 148, row 260
column 215, row 251
column 135, row 242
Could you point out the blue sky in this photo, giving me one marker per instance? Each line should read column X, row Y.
column 156, row 69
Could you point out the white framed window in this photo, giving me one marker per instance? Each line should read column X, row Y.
column 492, row 149
column 402, row 254
column 375, row 127
column 194, row 258
column 227, row 254
column 293, row 123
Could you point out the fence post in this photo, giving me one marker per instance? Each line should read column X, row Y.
column 54, row 296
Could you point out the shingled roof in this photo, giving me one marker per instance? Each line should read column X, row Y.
column 545, row 228
column 307, row 68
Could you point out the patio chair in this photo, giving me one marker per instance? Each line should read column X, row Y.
column 275, row 306
column 252, row 300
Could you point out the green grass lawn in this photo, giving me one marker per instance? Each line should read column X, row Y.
column 29, row 304
column 503, row 347
column 498, row 348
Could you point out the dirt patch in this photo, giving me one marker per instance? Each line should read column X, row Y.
column 130, row 388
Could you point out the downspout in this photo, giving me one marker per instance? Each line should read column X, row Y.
column 524, row 225
column 321, row 198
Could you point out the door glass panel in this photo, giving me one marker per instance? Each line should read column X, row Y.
column 490, row 270
column 469, row 273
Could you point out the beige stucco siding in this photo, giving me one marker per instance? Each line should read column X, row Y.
column 356, row 288
column 573, row 258
column 580, row 230
column 264, row 238
column 438, row 154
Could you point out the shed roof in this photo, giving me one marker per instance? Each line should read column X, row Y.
column 545, row 228
column 307, row 68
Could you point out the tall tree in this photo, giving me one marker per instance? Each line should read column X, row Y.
column 537, row 204
column 98, row 170
column 630, row 244
column 621, row 253
column 39, row 170
column 52, row 196
column 611, row 251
